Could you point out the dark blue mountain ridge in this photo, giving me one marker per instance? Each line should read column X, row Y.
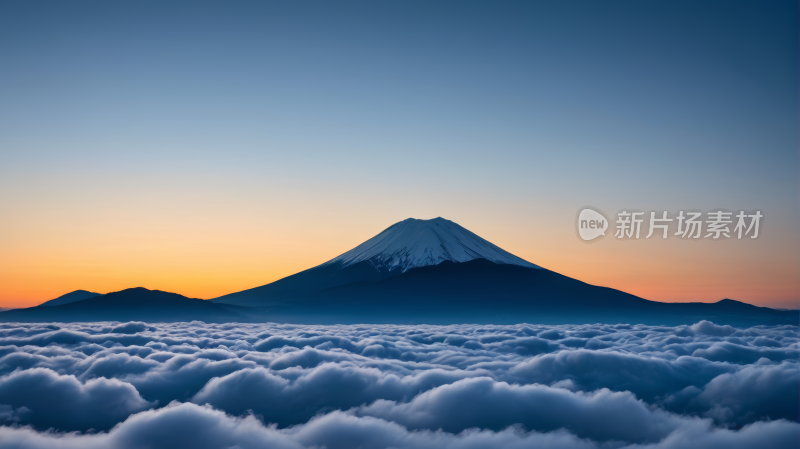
column 133, row 304
column 415, row 271
column 77, row 295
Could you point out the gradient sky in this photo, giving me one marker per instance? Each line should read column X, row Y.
column 208, row 147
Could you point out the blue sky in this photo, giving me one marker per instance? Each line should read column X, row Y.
column 371, row 112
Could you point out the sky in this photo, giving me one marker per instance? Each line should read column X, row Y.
column 204, row 148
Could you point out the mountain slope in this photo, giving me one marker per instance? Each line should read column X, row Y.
column 133, row 304
column 77, row 295
column 480, row 291
column 317, row 278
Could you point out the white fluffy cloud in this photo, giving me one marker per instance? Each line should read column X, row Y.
column 121, row 385
column 190, row 425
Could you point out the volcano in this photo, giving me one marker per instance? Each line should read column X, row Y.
column 400, row 248
column 437, row 272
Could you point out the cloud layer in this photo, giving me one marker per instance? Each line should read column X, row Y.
column 119, row 385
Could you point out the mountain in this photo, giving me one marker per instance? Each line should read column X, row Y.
column 133, row 304
column 77, row 295
column 415, row 271
column 437, row 272
column 399, row 248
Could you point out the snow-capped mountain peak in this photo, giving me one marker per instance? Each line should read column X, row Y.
column 415, row 243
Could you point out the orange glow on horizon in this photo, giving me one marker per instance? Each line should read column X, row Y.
column 192, row 263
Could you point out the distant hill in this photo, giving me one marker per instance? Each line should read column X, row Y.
column 77, row 295
column 133, row 304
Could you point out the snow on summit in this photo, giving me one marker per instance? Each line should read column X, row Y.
column 415, row 243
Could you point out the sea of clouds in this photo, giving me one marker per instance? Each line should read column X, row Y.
column 111, row 385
